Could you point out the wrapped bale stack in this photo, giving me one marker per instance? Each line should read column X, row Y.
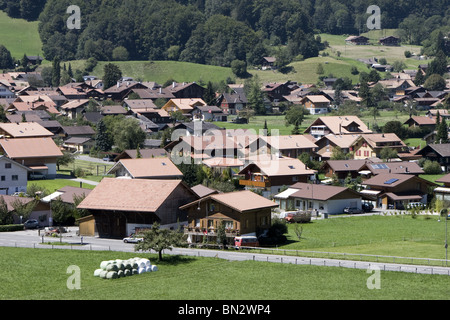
column 114, row 269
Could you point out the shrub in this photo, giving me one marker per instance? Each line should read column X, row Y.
column 11, row 227
column 432, row 167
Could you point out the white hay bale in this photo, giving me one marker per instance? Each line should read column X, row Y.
column 111, row 275
column 141, row 270
column 104, row 264
column 154, row 268
column 120, row 274
column 97, row 272
column 103, row 274
column 112, row 267
column 127, row 272
column 148, row 268
column 134, row 271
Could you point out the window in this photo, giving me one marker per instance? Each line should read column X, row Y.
column 3, row 178
column 228, row 224
column 7, row 165
column 15, row 177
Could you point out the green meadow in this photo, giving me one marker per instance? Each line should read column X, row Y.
column 37, row 274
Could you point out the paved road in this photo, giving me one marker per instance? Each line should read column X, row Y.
column 31, row 239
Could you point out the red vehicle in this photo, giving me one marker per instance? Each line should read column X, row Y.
column 246, row 241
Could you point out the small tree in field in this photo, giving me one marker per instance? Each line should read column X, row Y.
column 158, row 239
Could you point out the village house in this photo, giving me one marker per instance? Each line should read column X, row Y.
column 184, row 105
column 327, row 144
column 120, row 206
column 269, row 174
column 240, row 212
column 208, row 113
column 268, row 62
column 38, row 154
column 357, row 40
column 186, row 90
column 318, row 199
column 337, row 125
column 341, row 169
column 442, row 192
column 152, row 92
column 232, row 103
column 83, row 131
column 389, row 41
column 41, row 210
column 121, row 89
column 23, row 130
column 396, row 191
column 426, row 123
column 437, row 152
column 398, row 167
column 316, row 104
column 285, row 145
column 144, row 153
column 74, row 107
column 371, row 145
column 13, row 176
column 82, row 145
column 145, row 168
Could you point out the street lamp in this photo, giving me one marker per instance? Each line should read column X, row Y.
column 444, row 213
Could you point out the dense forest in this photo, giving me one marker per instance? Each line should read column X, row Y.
column 219, row 31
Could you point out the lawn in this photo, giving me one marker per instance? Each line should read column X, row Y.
column 161, row 71
column 398, row 235
column 20, row 36
column 36, row 274
column 54, row 184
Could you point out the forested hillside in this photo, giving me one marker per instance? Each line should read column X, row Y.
column 219, row 31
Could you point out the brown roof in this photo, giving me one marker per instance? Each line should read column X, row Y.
column 9, row 200
column 289, row 142
column 241, row 201
column 73, row 104
column 444, row 179
column 30, row 148
column 203, row 191
column 143, row 195
column 422, row 120
column 68, row 192
column 338, row 124
column 347, row 165
column 24, row 130
column 280, row 167
column 392, row 180
column 375, row 138
column 318, row 191
column 403, row 167
column 148, row 168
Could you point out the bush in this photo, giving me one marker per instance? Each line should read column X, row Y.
column 79, row 172
column 432, row 167
column 11, row 227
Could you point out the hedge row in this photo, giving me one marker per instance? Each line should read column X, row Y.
column 11, row 227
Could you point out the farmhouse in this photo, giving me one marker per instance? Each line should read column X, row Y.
column 241, row 212
column 316, row 104
column 286, row 145
column 371, row 145
column 337, row 125
column 357, row 40
column 437, row 152
column 119, row 206
column 318, row 198
column 389, row 41
column 269, row 174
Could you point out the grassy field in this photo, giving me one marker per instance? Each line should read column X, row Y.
column 20, row 36
column 34, row 274
column 278, row 122
column 161, row 71
column 51, row 185
column 398, row 235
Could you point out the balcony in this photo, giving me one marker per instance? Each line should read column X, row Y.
column 251, row 183
column 211, row 231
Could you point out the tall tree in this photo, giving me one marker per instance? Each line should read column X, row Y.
column 6, row 61
column 56, row 72
column 111, row 74
column 255, row 95
column 103, row 140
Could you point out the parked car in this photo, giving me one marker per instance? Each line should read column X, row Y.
column 37, row 175
column 31, row 224
column 367, row 207
column 298, row 217
column 246, row 241
column 352, row 210
column 132, row 239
